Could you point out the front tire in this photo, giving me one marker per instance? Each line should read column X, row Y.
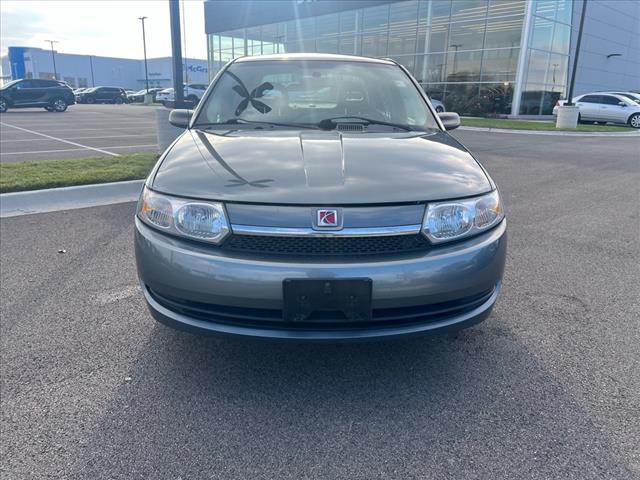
column 4, row 105
column 58, row 105
column 89, row 100
column 193, row 99
column 634, row 120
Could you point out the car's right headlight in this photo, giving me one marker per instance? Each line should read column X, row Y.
column 457, row 219
column 198, row 220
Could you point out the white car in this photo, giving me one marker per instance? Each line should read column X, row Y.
column 165, row 95
column 605, row 107
column 193, row 92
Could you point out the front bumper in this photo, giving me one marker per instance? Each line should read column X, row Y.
column 195, row 287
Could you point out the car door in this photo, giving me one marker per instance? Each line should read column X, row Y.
column 104, row 94
column 589, row 107
column 612, row 109
column 98, row 94
column 24, row 93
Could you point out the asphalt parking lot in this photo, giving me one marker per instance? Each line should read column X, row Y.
column 547, row 388
column 81, row 131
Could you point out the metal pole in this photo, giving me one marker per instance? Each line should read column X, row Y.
column 144, row 46
column 176, row 51
column 575, row 60
column 53, row 57
column 93, row 80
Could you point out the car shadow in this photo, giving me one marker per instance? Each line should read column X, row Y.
column 475, row 404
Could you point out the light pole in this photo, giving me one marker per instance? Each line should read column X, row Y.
column 569, row 114
column 144, row 47
column 575, row 60
column 53, row 57
column 176, row 53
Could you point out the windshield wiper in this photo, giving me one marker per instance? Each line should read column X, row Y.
column 331, row 123
column 242, row 121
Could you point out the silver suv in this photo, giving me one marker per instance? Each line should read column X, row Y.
column 318, row 197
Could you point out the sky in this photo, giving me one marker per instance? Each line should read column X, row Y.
column 100, row 27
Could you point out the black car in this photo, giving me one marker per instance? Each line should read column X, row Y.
column 102, row 95
column 53, row 95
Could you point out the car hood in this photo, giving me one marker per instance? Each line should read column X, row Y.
column 317, row 167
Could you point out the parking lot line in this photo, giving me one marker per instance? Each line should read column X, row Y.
column 76, row 138
column 78, row 149
column 102, row 129
column 61, row 140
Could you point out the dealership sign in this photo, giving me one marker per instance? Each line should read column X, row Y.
column 197, row 68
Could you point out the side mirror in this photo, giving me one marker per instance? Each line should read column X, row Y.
column 180, row 117
column 622, row 104
column 450, row 120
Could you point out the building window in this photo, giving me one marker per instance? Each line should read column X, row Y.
column 464, row 52
column 547, row 59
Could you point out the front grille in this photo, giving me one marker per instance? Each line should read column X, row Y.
column 327, row 246
column 272, row 318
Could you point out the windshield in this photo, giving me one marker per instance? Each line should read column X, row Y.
column 298, row 92
column 9, row 84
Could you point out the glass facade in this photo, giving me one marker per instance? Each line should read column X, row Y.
column 463, row 52
column 547, row 56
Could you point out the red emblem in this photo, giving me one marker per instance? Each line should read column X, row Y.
column 327, row 218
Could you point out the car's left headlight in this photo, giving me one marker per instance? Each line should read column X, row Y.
column 456, row 219
column 198, row 220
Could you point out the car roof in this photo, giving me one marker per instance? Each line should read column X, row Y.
column 313, row 56
column 620, row 96
column 618, row 92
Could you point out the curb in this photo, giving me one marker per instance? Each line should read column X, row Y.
column 552, row 133
column 68, row 198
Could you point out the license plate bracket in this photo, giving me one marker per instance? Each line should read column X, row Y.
column 303, row 297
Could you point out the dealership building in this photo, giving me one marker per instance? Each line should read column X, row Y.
column 508, row 57
column 92, row 71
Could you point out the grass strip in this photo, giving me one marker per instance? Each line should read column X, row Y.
column 16, row 177
column 538, row 125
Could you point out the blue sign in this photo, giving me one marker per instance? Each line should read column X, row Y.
column 197, row 68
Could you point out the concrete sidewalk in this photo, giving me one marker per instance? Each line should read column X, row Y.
column 68, row 198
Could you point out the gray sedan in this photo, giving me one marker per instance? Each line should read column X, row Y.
column 318, row 197
column 606, row 107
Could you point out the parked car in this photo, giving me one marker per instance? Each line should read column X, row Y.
column 164, row 96
column 605, row 107
column 139, row 95
column 53, row 95
column 438, row 105
column 344, row 211
column 193, row 92
column 102, row 95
